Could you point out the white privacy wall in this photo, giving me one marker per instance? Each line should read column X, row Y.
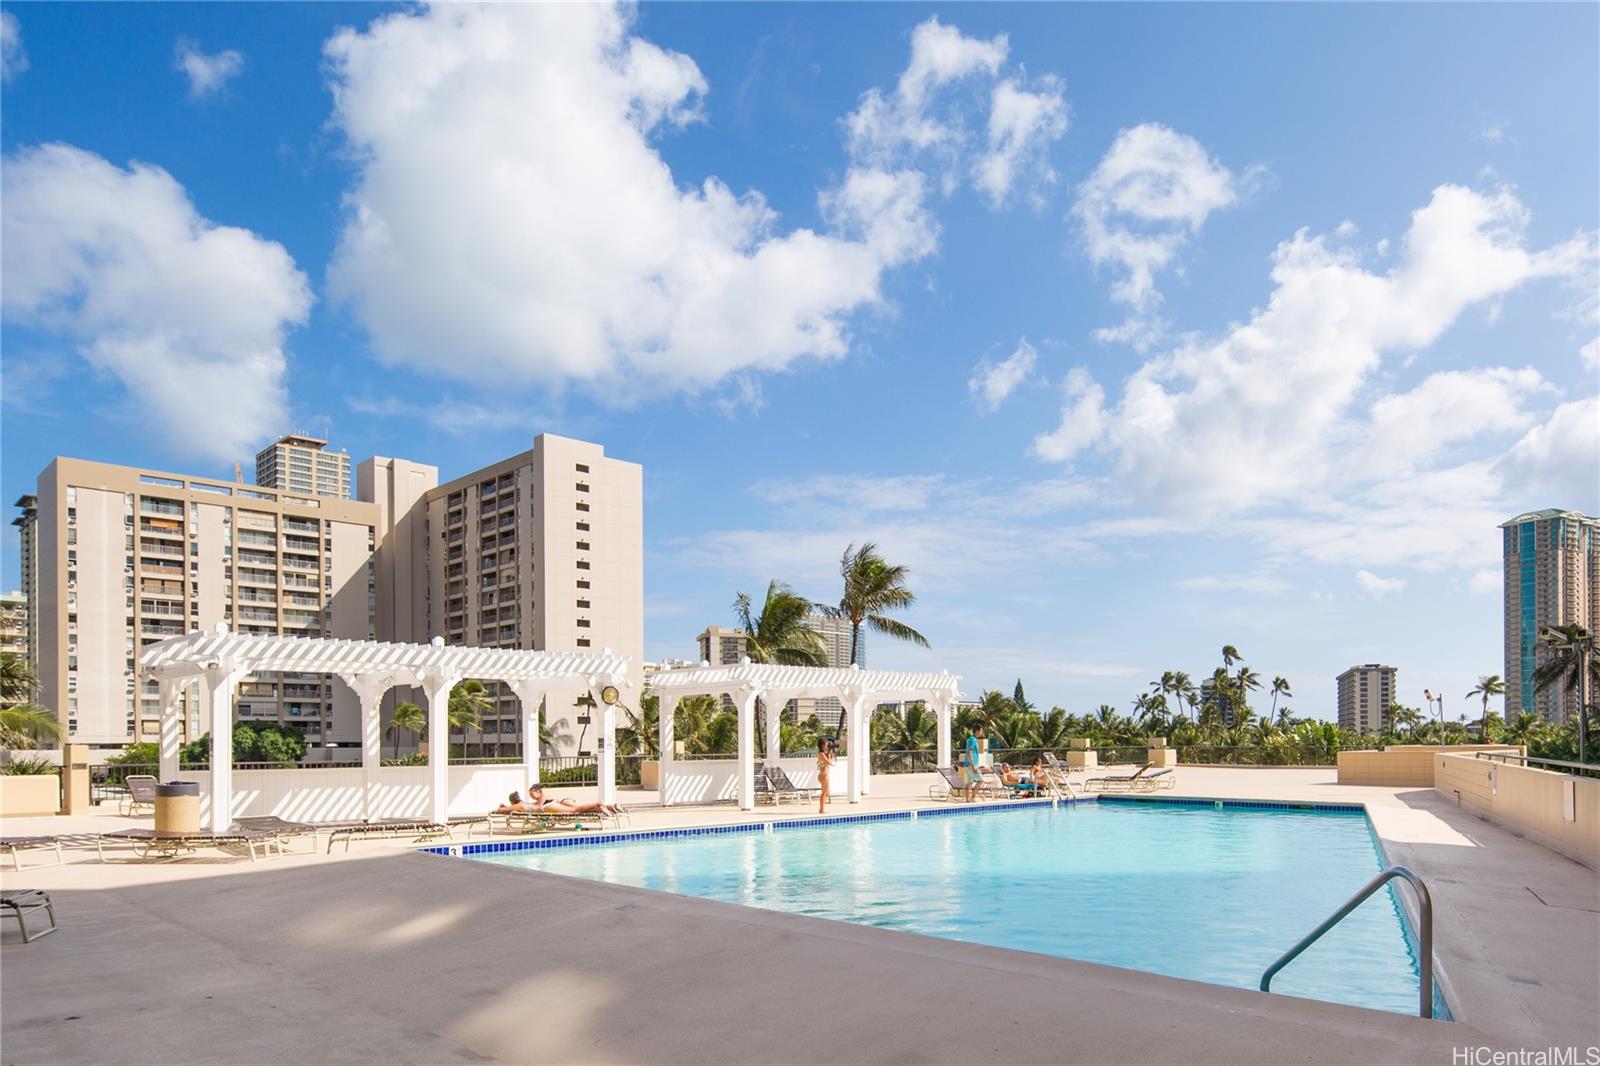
column 335, row 795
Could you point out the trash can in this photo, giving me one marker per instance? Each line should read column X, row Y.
column 178, row 807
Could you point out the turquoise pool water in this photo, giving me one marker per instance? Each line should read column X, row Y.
column 1198, row 892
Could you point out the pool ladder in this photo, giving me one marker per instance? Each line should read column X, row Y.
column 1424, row 932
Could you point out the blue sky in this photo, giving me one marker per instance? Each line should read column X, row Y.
column 1133, row 330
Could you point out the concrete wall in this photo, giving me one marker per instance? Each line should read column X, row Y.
column 1401, row 765
column 335, row 795
column 1533, row 803
column 28, row 794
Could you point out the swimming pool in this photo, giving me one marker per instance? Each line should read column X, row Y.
column 1208, row 893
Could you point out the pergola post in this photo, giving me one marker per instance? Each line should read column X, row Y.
column 747, row 762
column 941, row 708
column 370, row 690
column 774, row 725
column 171, row 724
column 220, row 682
column 436, row 686
column 606, row 756
column 667, row 710
column 856, row 764
column 529, row 697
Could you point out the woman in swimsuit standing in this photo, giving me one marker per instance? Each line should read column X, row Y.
column 824, row 760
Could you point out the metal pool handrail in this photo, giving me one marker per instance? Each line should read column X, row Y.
column 1424, row 933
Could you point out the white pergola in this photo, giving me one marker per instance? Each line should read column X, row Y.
column 861, row 691
column 220, row 660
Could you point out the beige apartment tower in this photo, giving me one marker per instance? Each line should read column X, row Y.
column 1365, row 693
column 304, row 466
column 543, row 550
column 1552, row 577
column 120, row 557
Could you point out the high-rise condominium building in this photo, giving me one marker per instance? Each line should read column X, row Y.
column 14, row 628
column 1365, row 693
column 304, row 466
column 28, row 555
column 1552, row 577
column 722, row 647
column 118, row 557
column 543, row 550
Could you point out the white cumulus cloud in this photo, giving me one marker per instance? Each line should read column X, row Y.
column 928, row 119
column 1083, row 418
column 207, row 73
column 13, row 58
column 1152, row 191
column 512, row 221
column 1263, row 413
column 1373, row 585
column 188, row 315
column 1590, row 354
column 991, row 383
column 1557, row 463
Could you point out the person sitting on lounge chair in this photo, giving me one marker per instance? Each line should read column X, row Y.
column 537, row 801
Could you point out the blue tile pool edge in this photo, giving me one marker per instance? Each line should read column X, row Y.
column 782, row 825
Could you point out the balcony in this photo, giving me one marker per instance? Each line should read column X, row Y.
column 161, row 529
column 166, row 507
column 256, row 614
column 160, row 566
column 150, row 547
column 249, row 557
column 302, row 544
column 166, row 610
column 268, row 578
column 295, row 581
column 300, row 525
column 252, row 596
column 299, row 562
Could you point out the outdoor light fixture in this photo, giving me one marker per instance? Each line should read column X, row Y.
column 1428, row 695
column 610, row 696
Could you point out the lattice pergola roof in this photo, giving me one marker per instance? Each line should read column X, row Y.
column 190, row 655
column 795, row 682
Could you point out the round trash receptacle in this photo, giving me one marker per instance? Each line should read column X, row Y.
column 178, row 807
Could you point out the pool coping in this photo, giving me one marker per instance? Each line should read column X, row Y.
column 771, row 825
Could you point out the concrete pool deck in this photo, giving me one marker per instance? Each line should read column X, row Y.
column 395, row 955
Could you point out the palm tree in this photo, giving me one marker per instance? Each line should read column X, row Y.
column 1245, row 680
column 1280, row 687
column 779, row 634
column 1054, row 728
column 1183, row 690
column 1488, row 685
column 26, row 724
column 640, row 733
column 1526, row 729
column 468, row 700
column 409, row 717
column 912, row 729
column 1230, row 655
column 17, row 679
column 1571, row 662
column 872, row 588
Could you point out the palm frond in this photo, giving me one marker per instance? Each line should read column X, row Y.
column 890, row 627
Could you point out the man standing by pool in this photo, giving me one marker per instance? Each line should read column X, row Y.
column 970, row 769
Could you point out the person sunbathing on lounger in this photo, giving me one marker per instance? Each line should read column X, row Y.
column 538, row 802
column 512, row 803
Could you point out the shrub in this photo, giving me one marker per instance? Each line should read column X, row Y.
column 29, row 767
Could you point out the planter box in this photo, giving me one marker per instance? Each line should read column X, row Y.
column 650, row 775
column 22, row 795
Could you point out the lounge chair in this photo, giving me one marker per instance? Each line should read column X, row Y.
column 424, row 829
column 284, row 829
column 763, row 787
column 535, row 819
column 15, row 845
column 783, row 788
column 954, row 786
column 165, row 844
column 141, row 797
column 1142, row 780
column 21, row 904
